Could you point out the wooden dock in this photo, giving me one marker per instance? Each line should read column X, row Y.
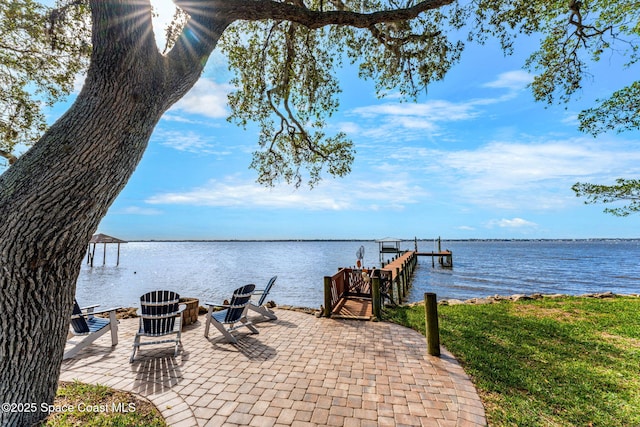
column 349, row 296
column 353, row 308
column 445, row 258
column 360, row 293
column 398, row 262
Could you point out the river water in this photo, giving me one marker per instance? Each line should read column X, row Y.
column 210, row 271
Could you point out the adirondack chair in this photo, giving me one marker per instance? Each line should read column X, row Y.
column 85, row 325
column 234, row 316
column 160, row 316
column 259, row 306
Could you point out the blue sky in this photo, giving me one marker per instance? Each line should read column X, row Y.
column 474, row 158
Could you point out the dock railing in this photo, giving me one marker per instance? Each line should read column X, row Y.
column 334, row 287
column 390, row 282
column 347, row 282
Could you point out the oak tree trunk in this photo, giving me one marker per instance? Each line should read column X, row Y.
column 53, row 198
column 51, row 203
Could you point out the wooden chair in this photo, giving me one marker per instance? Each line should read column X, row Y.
column 260, row 307
column 234, row 313
column 160, row 316
column 84, row 324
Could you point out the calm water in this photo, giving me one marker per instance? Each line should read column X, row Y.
column 210, row 271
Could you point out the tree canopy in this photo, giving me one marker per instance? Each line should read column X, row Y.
column 626, row 190
column 596, row 30
column 41, row 51
column 285, row 66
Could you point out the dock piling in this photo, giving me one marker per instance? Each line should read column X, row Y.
column 432, row 328
column 327, row 296
column 376, row 301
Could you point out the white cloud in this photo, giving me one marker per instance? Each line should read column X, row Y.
column 571, row 119
column 523, row 175
column 511, row 223
column 350, row 128
column 227, row 194
column 466, row 228
column 189, row 142
column 436, row 110
column 406, row 121
column 206, row 98
column 136, row 210
column 410, row 121
column 333, row 195
column 511, row 164
column 188, row 120
column 512, row 80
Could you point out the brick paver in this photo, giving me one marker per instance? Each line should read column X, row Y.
column 300, row 370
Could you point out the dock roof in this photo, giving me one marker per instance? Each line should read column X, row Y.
column 388, row 240
column 103, row 238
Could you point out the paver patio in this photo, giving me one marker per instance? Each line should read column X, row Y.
column 299, row 371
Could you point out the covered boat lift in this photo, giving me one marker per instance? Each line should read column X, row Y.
column 388, row 245
column 104, row 239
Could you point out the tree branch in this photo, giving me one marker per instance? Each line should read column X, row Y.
column 15, row 49
column 581, row 29
column 256, row 10
column 198, row 38
column 58, row 15
column 622, row 190
column 7, row 155
column 209, row 18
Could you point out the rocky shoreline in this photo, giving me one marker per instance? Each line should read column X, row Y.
column 130, row 312
column 522, row 297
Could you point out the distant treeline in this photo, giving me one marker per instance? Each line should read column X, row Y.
column 601, row 239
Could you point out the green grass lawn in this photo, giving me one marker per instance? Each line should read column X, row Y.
column 88, row 405
column 551, row 362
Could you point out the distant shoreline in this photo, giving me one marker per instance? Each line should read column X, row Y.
column 599, row 239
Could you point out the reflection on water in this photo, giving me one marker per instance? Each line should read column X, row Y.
column 210, row 271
